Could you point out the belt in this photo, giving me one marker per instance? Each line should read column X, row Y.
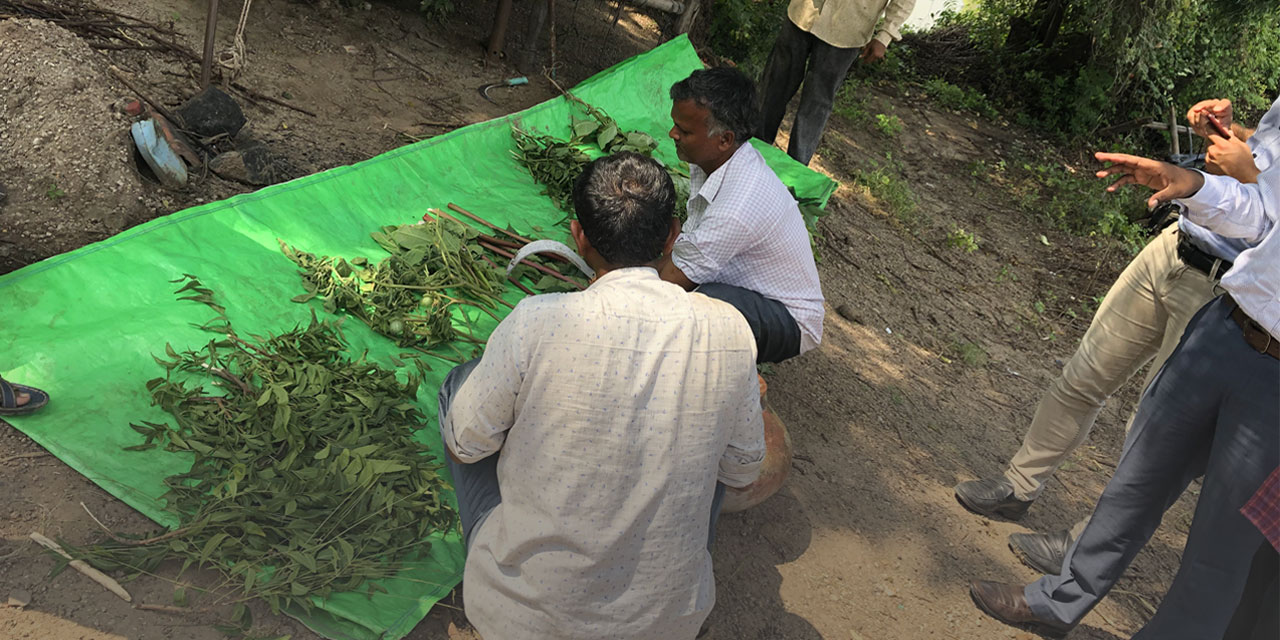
column 1254, row 334
column 1201, row 261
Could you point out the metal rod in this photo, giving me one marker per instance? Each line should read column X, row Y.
column 210, row 29
column 499, row 33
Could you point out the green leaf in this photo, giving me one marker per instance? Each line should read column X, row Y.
column 606, row 136
column 584, row 128
column 303, row 297
column 206, row 553
column 250, row 527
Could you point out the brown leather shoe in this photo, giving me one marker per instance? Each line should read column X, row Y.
column 1005, row 603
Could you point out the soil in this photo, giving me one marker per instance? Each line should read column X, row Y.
column 931, row 366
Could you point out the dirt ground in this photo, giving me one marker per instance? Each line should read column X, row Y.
column 929, row 372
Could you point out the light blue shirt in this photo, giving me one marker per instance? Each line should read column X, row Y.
column 1265, row 143
column 1249, row 212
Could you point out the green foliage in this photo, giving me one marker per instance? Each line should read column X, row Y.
column 1113, row 60
column 957, row 98
column 744, row 30
column 851, row 103
column 1076, row 202
column 888, row 125
column 436, row 9
column 969, row 353
column 890, row 191
column 963, row 240
column 54, row 192
column 410, row 296
column 307, row 475
column 556, row 164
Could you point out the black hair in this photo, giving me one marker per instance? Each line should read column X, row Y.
column 728, row 94
column 625, row 203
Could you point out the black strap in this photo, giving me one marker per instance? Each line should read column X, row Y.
column 8, row 399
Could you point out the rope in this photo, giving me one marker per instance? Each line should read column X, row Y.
column 233, row 59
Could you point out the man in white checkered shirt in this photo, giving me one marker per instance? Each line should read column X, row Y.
column 745, row 241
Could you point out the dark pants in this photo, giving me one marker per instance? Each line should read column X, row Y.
column 799, row 55
column 776, row 332
column 476, row 484
column 1257, row 616
column 1212, row 410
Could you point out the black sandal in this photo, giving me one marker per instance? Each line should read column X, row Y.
column 9, row 399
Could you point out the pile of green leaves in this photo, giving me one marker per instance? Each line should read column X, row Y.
column 411, row 295
column 556, row 164
column 306, row 478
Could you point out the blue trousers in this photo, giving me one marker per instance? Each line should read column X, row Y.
column 776, row 332
column 476, row 484
column 1213, row 410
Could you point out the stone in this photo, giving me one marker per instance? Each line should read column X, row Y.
column 19, row 598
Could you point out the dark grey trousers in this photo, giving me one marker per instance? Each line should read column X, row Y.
column 1257, row 616
column 800, row 56
column 1213, row 410
column 776, row 332
column 476, row 484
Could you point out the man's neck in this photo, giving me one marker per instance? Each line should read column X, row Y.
column 602, row 269
column 710, row 168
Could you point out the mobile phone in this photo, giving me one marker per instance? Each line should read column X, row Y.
column 1217, row 125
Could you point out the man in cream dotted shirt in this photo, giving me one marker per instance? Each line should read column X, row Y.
column 817, row 44
column 745, row 241
column 588, row 440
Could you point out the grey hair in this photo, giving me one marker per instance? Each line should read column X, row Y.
column 728, row 94
column 625, row 203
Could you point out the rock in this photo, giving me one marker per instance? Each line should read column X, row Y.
column 230, row 166
column 210, row 113
column 847, row 312
column 19, row 598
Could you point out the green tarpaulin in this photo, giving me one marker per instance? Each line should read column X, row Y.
column 83, row 325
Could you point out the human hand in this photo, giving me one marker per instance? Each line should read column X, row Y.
column 1230, row 157
column 1221, row 109
column 1170, row 182
column 874, row 51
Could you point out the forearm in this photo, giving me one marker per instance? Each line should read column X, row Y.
column 1233, row 209
column 668, row 271
column 895, row 14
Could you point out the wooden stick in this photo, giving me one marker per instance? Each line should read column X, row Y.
column 486, row 223
column 409, row 62
column 547, row 270
column 262, row 96
column 20, row 456
column 511, row 279
column 79, row 565
column 166, row 608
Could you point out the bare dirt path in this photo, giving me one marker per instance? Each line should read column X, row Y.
column 931, row 366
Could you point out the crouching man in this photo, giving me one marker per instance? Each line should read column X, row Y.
column 587, row 442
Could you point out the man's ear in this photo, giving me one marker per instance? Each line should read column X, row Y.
column 579, row 238
column 727, row 140
column 671, row 236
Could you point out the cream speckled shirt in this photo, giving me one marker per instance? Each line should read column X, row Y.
column 615, row 409
column 851, row 23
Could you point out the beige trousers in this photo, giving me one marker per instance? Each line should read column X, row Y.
column 1141, row 317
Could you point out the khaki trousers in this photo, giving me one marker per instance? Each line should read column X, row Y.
column 1142, row 317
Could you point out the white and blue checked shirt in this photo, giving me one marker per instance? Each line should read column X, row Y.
column 745, row 230
column 1251, row 213
column 616, row 409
